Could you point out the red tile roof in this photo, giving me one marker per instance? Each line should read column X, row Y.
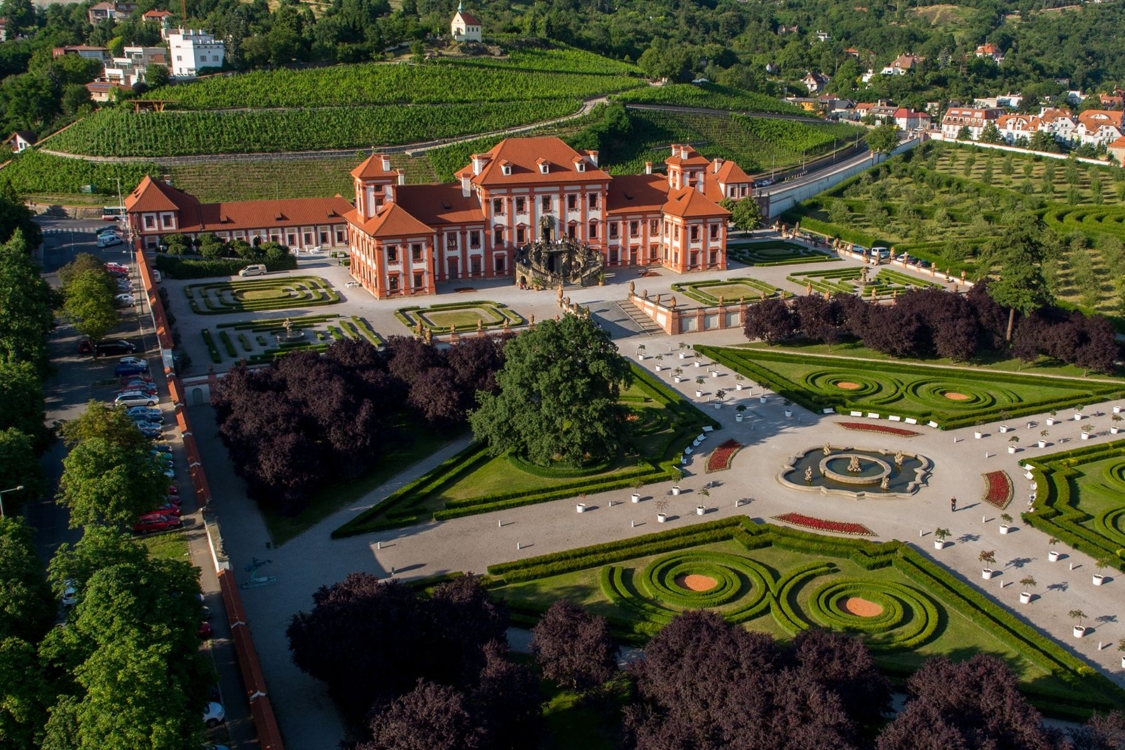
column 469, row 18
column 440, row 203
column 523, row 155
column 391, row 221
column 157, row 195
column 1095, row 118
column 692, row 159
column 371, row 168
column 637, row 193
column 156, row 14
column 689, row 203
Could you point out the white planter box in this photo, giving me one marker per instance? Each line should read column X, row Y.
column 1117, row 410
column 718, row 406
column 1098, row 579
column 661, row 517
column 986, row 574
column 761, row 399
column 1053, row 556
column 698, row 363
column 1004, row 529
column 1011, row 449
column 1004, row 428
column 675, row 490
column 1025, row 597
column 1114, row 430
column 1079, row 631
column 1085, row 436
column 700, row 510
column 788, row 412
column 635, row 497
column 738, row 386
column 677, row 378
column 978, row 435
column 714, row 373
column 1050, row 421
column 581, row 507
column 938, row 544
column 699, row 394
column 737, row 417
column 1042, row 443
column 1078, row 417
column 659, row 368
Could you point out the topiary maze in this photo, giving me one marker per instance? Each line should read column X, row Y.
column 783, row 581
column 885, row 283
column 464, row 316
column 1081, row 500
column 730, row 290
column 274, row 293
column 948, row 396
column 260, row 341
column 775, row 253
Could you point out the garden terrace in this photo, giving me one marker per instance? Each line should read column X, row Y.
column 884, row 284
column 775, row 253
column 661, row 424
column 731, row 290
column 783, row 581
column 260, row 341
column 947, row 396
column 279, row 293
column 465, row 316
column 1080, row 499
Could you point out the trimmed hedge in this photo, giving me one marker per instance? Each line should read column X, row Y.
column 178, row 267
column 211, row 348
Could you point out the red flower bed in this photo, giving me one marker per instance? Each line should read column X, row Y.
column 998, row 488
column 820, row 524
column 875, row 427
column 720, row 458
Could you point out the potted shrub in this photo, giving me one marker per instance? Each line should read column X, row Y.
column 714, row 370
column 739, row 412
column 661, row 510
column 641, row 353
column 582, row 504
column 683, row 350
column 1079, row 615
column 720, row 395
column 762, row 398
column 1087, row 431
column 1053, row 554
column 1005, row 523
column 699, row 387
column 1004, row 428
column 988, row 557
column 1117, row 410
column 1078, row 413
column 1012, row 442
column 788, row 411
column 1043, row 439
column 678, row 375
column 1115, row 427
column 659, row 359
column 739, row 380
column 1051, row 419
column 636, row 496
column 699, row 362
column 677, row 477
column 940, row 535
column 1101, row 564
column 978, row 433
column 1028, row 584
column 700, row 509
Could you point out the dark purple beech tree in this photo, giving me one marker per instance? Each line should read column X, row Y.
column 972, row 704
column 573, row 647
column 706, row 684
column 507, row 701
column 463, row 620
column 1101, row 732
column 770, row 320
column 429, row 717
column 843, row 664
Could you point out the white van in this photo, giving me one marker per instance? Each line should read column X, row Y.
column 255, row 270
column 107, row 240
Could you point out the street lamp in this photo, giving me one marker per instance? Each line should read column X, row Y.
column 14, row 489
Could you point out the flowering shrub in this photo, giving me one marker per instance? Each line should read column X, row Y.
column 874, row 427
column 720, row 458
column 998, row 488
column 820, row 524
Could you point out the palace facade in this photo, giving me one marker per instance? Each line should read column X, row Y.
column 405, row 239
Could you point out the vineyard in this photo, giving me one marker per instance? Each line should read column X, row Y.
column 152, row 134
column 33, row 173
column 381, row 84
column 711, row 96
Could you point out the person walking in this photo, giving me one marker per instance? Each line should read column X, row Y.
column 953, row 505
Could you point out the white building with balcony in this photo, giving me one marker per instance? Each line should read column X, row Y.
column 192, row 51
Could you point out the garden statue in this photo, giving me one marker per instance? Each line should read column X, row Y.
column 644, row 294
column 672, row 303
column 899, row 458
column 506, row 324
column 452, row 330
column 429, row 336
column 532, row 324
column 480, row 324
column 853, row 465
column 885, row 484
column 808, row 288
column 863, row 276
column 720, row 300
column 418, row 328
column 808, row 475
column 872, row 294
column 827, row 295
column 560, row 294
column 742, row 300
column 763, row 295
column 827, row 449
column 632, row 288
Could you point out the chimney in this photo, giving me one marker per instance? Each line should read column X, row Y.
column 684, row 152
column 386, row 162
column 593, row 154
column 699, row 183
column 718, row 163
column 466, row 187
column 648, row 167
column 401, row 176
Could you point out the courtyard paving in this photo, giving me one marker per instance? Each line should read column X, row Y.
column 306, row 712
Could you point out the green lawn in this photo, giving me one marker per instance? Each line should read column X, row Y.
column 420, row 444
column 465, row 316
column 260, row 294
column 661, row 424
column 708, row 291
column 949, row 397
column 781, row 581
column 172, row 545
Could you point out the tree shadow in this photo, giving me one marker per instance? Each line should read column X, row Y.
column 1061, row 586
column 1106, row 618
column 966, row 538
column 1019, row 562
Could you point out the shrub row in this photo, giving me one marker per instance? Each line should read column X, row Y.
column 556, row 472
column 211, row 348
column 176, row 267
column 228, row 344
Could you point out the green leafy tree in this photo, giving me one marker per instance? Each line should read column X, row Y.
column 882, row 139
column 100, row 547
column 990, row 134
column 89, row 303
column 19, row 467
column 82, row 262
column 109, row 484
column 964, row 134
column 25, row 306
column 24, row 696
column 21, row 399
column 16, row 217
column 101, row 420
column 1021, row 286
column 157, row 75
column 558, row 395
column 27, row 609
column 746, row 213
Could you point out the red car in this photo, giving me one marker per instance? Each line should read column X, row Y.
column 151, row 522
column 205, row 630
column 133, row 380
column 173, row 490
column 168, row 509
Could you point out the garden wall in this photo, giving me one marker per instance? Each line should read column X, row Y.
column 675, row 321
column 1018, row 150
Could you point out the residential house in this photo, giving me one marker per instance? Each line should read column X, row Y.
column 1111, row 101
column 19, row 141
column 104, row 11
column 1117, row 150
column 132, row 68
column 405, row 239
column 465, row 27
column 1097, row 127
column 155, row 209
column 975, row 119
column 823, row 36
column 835, row 106
column 102, row 91
column 101, row 54
column 192, row 51
column 3, row 29
column 990, row 50
column 852, row 51
column 1074, row 97
column 902, row 65
column 908, row 119
column 162, row 17
column 815, row 82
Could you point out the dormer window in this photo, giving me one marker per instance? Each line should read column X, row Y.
column 544, row 166
column 581, row 166
column 507, row 170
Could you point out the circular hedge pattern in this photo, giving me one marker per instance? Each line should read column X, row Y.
column 1114, row 475
column 734, row 580
column 851, row 383
column 909, row 617
column 1111, row 523
column 968, row 396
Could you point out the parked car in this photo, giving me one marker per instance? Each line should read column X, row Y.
column 147, row 422
column 106, row 348
column 125, row 370
column 257, row 269
column 139, row 385
column 133, row 361
column 150, row 430
column 135, row 398
column 214, row 715
column 163, row 448
column 116, row 267
column 124, row 300
column 173, row 490
column 109, row 240
column 167, row 509
column 152, row 522
column 205, row 630
column 148, row 411
column 70, row 592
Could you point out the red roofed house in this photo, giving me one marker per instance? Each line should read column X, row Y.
column 155, row 208
column 908, row 119
column 162, row 17
column 20, row 140
column 465, row 27
column 1099, row 126
column 407, row 238
column 967, row 117
column 989, row 49
column 1117, row 150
